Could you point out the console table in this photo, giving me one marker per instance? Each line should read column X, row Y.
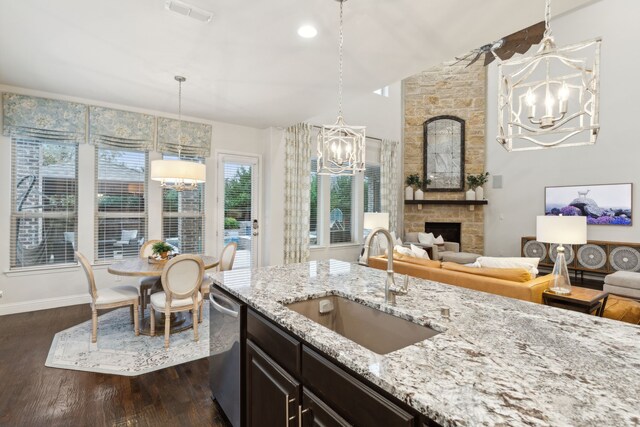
column 596, row 256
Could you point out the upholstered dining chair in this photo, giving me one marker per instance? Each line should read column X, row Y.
column 117, row 296
column 146, row 283
column 227, row 256
column 181, row 279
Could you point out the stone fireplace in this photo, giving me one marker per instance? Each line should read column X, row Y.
column 450, row 231
column 446, row 90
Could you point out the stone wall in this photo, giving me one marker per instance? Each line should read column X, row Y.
column 451, row 90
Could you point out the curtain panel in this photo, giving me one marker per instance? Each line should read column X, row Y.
column 389, row 166
column 196, row 137
column 44, row 119
column 296, row 197
column 111, row 128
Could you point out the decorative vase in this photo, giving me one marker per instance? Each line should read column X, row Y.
column 408, row 193
column 471, row 194
column 419, row 195
column 479, row 193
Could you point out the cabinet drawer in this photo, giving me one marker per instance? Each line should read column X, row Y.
column 280, row 346
column 317, row 414
column 357, row 403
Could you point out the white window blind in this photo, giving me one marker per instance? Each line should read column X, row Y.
column 44, row 203
column 313, row 203
column 372, row 188
column 121, row 208
column 183, row 215
column 340, row 223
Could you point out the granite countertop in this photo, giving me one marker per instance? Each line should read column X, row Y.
column 497, row 360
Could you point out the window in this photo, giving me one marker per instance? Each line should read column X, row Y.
column 183, row 215
column 121, row 211
column 44, row 218
column 340, row 208
column 372, row 188
column 313, row 204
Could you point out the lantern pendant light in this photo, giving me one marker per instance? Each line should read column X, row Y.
column 551, row 98
column 341, row 148
column 179, row 175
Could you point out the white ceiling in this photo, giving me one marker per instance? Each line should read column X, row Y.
column 247, row 66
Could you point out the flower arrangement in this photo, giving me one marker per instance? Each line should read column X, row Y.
column 474, row 181
column 161, row 249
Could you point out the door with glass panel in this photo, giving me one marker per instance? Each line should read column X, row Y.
column 238, row 207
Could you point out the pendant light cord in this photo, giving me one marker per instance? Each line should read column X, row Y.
column 547, row 19
column 180, row 119
column 340, row 64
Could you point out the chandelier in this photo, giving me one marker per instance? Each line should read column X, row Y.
column 341, row 148
column 179, row 175
column 550, row 99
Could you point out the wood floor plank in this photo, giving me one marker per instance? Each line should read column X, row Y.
column 35, row 395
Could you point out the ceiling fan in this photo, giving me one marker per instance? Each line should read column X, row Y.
column 506, row 47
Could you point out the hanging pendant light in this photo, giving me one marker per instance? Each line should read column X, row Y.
column 341, row 148
column 179, row 175
column 550, row 99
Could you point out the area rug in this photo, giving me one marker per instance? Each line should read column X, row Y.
column 118, row 351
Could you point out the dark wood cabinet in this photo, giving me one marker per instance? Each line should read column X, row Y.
column 272, row 394
column 316, row 413
column 288, row 383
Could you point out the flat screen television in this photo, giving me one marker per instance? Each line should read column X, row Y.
column 602, row 204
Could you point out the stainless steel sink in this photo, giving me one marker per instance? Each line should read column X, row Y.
column 378, row 331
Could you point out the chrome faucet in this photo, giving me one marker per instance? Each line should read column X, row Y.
column 389, row 294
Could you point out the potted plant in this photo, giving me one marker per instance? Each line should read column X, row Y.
column 161, row 249
column 422, row 187
column 475, row 183
column 412, row 181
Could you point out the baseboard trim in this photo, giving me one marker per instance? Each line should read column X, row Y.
column 43, row 304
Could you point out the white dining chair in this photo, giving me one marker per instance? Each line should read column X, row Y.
column 227, row 257
column 181, row 279
column 117, row 296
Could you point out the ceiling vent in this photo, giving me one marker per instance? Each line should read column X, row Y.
column 188, row 10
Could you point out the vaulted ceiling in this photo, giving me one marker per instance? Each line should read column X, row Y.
column 247, row 66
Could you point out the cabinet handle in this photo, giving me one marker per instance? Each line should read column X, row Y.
column 287, row 401
column 300, row 413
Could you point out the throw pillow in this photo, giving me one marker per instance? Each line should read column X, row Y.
column 531, row 264
column 426, row 238
column 404, row 251
column 419, row 252
column 520, row 275
column 439, row 240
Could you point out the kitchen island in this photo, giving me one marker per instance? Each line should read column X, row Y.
column 495, row 360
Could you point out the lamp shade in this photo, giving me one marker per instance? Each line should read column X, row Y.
column 178, row 171
column 376, row 220
column 569, row 230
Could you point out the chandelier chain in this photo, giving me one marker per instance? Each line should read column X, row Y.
column 547, row 19
column 340, row 64
column 180, row 117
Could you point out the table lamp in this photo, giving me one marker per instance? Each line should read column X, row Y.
column 375, row 220
column 562, row 230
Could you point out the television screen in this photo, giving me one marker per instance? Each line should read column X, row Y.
column 603, row 204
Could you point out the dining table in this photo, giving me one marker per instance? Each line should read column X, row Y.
column 144, row 267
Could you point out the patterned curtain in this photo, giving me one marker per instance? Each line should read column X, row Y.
column 389, row 181
column 297, row 187
column 121, row 129
column 43, row 119
column 196, row 137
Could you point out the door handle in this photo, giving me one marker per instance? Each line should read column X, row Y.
column 301, row 412
column 220, row 308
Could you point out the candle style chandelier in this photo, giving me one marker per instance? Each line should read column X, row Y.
column 341, row 148
column 550, row 99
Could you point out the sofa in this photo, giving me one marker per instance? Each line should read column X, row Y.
column 437, row 251
column 509, row 282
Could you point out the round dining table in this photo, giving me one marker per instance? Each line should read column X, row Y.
column 142, row 267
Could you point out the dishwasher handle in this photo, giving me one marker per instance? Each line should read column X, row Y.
column 220, row 308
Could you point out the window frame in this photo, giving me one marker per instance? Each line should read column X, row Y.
column 15, row 216
column 124, row 215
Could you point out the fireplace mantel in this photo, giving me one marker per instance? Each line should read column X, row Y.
column 445, row 202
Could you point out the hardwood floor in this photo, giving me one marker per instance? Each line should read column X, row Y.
column 34, row 395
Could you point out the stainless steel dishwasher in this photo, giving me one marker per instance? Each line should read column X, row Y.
column 226, row 373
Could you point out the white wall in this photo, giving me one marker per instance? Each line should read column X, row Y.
column 53, row 287
column 614, row 159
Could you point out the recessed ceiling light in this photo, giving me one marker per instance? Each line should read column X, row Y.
column 307, row 31
column 186, row 9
